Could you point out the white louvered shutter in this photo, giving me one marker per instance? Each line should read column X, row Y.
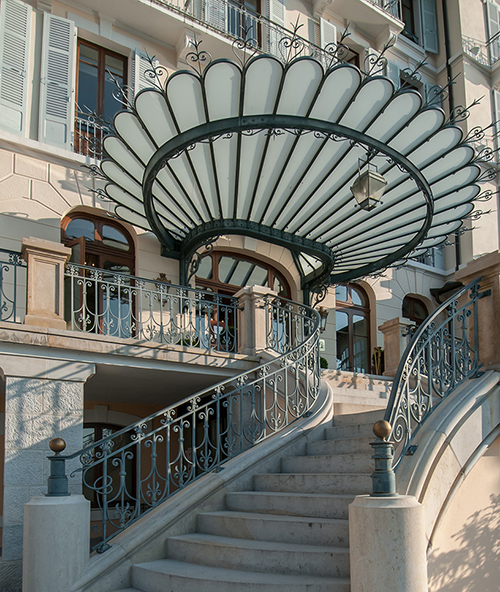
column 328, row 33
column 15, row 28
column 493, row 28
column 215, row 14
column 277, row 14
column 57, row 81
column 393, row 72
column 496, row 114
column 432, row 94
column 140, row 78
column 429, row 25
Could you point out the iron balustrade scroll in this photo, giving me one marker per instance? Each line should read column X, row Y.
column 107, row 303
column 441, row 355
column 132, row 471
column 12, row 279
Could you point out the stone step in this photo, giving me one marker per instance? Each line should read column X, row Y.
column 336, row 483
column 168, row 575
column 366, row 417
column 347, row 445
column 314, row 505
column 328, row 463
column 129, row 590
column 342, row 432
column 302, row 530
column 267, row 557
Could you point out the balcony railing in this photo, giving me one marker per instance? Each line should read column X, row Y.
column 102, row 302
column 12, row 286
column 393, row 7
column 485, row 52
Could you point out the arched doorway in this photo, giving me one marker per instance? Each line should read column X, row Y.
column 100, row 304
column 352, row 318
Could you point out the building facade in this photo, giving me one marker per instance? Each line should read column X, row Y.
column 96, row 365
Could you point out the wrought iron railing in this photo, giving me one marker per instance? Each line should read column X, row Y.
column 90, row 131
column 485, row 52
column 137, row 468
column 12, row 281
column 393, row 7
column 442, row 354
column 103, row 302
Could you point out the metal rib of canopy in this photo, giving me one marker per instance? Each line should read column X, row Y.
column 271, row 151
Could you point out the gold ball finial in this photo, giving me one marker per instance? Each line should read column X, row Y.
column 57, row 445
column 382, row 429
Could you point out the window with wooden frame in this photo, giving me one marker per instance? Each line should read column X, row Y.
column 226, row 273
column 414, row 309
column 106, row 245
column 100, row 72
column 352, row 318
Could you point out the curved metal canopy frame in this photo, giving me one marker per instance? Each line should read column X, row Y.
column 176, row 165
column 201, row 233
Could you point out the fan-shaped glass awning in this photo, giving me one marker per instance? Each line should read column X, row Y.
column 271, row 151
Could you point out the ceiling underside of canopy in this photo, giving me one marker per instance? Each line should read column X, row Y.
column 272, row 151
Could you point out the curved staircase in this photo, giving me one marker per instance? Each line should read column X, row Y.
column 290, row 533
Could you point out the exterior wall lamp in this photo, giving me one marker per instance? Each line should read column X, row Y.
column 323, row 314
column 368, row 187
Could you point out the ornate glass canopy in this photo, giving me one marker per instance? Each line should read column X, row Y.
column 271, row 150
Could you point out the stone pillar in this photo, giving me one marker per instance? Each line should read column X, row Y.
column 252, row 321
column 387, row 544
column 395, row 342
column 488, row 308
column 43, row 399
column 46, row 261
column 56, row 542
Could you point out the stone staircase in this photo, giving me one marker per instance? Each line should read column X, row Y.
column 289, row 534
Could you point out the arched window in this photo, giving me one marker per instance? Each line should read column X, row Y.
column 352, row 318
column 226, row 273
column 97, row 305
column 99, row 242
column 415, row 310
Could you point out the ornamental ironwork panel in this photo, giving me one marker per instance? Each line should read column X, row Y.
column 106, row 303
column 441, row 355
column 12, row 286
column 135, row 469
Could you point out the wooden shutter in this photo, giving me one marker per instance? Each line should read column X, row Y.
column 493, row 28
column 429, row 25
column 141, row 65
column 57, row 81
column 392, row 72
column 277, row 14
column 15, row 29
column 215, row 14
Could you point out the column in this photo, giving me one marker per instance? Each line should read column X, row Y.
column 46, row 261
column 43, row 399
column 395, row 341
column 253, row 319
column 488, row 267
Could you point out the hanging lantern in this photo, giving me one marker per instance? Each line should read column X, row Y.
column 368, row 187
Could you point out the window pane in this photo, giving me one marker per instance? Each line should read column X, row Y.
column 112, row 237
column 114, row 65
column 80, row 227
column 87, row 88
column 89, row 54
column 342, row 323
column 360, row 361
column 111, row 104
column 360, row 325
column 205, row 269
column 358, row 297
column 341, row 293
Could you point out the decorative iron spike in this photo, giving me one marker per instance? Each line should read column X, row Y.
column 412, row 77
column 486, row 195
column 245, row 44
column 461, row 113
column 198, row 59
column 156, row 72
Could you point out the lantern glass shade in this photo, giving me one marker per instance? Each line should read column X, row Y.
column 368, row 189
column 323, row 314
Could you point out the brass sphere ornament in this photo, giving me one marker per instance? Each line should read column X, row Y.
column 57, row 445
column 382, row 429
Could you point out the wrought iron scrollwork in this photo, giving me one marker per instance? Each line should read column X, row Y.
column 133, row 470
column 441, row 355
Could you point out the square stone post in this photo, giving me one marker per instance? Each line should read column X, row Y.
column 43, row 399
column 46, row 261
column 488, row 308
column 253, row 321
column 395, row 342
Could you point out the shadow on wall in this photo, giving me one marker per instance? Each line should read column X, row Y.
column 474, row 564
